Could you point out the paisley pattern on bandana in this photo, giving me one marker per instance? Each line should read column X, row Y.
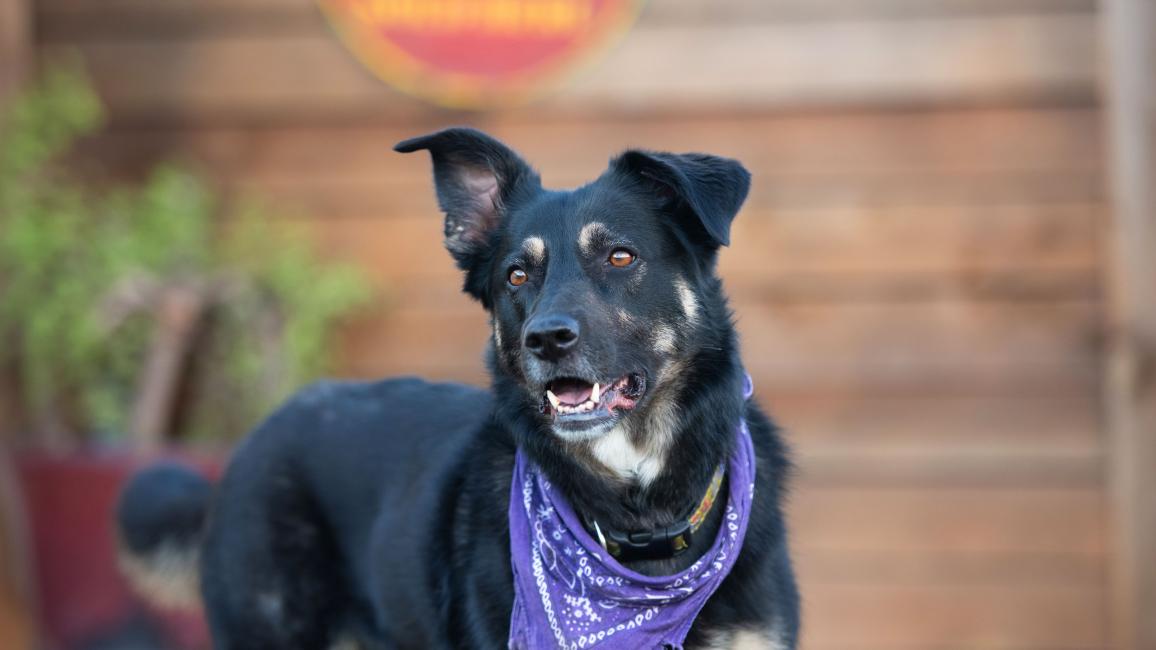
column 570, row 593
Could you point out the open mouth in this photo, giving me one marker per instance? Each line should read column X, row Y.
column 569, row 400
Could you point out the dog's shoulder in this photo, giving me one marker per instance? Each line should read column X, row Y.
column 370, row 429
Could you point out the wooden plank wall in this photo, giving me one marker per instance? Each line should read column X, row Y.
column 916, row 274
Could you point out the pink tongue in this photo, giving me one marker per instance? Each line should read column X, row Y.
column 573, row 393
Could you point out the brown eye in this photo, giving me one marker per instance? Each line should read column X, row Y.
column 621, row 257
column 517, row 277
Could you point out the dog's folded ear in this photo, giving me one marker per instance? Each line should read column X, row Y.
column 475, row 176
column 711, row 187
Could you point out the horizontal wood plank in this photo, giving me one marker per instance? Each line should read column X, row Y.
column 948, row 616
column 914, row 240
column 746, row 11
column 918, row 438
column 311, row 77
column 1017, row 58
column 60, row 20
column 917, row 568
column 849, row 421
column 1006, row 335
column 936, row 462
column 942, row 519
column 948, row 140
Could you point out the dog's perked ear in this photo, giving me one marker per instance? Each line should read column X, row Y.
column 713, row 188
column 475, row 176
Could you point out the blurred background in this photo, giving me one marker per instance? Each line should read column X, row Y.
column 943, row 277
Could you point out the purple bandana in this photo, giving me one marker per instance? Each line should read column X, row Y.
column 568, row 591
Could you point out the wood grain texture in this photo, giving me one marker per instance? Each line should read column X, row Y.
column 949, row 139
column 309, row 76
column 919, row 617
column 915, row 567
column 975, row 520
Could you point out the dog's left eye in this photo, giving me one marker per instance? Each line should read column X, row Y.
column 621, row 257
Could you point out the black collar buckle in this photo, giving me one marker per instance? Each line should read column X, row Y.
column 659, row 543
column 656, row 544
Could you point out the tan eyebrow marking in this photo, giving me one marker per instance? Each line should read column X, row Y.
column 663, row 339
column 587, row 234
column 535, row 249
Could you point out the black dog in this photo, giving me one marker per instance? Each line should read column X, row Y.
column 377, row 512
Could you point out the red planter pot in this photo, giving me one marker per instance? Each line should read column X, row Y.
column 69, row 501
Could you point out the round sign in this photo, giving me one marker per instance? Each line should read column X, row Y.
column 476, row 53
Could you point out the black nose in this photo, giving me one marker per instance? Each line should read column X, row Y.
column 551, row 336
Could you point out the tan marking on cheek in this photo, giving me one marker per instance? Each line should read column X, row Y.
column 657, row 433
column 625, row 319
column 661, row 423
column 535, row 249
column 688, row 300
column 586, row 235
column 663, row 339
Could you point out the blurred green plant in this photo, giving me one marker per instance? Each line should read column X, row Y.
column 86, row 277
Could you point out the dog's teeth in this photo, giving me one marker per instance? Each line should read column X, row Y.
column 554, row 401
column 594, row 394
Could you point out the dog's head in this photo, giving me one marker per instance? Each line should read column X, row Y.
column 600, row 296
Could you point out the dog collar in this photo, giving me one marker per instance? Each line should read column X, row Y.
column 658, row 543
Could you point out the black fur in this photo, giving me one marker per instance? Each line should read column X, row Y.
column 379, row 511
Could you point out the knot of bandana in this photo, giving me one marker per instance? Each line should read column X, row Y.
column 570, row 593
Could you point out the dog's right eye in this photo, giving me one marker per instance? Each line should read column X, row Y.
column 517, row 277
column 620, row 257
